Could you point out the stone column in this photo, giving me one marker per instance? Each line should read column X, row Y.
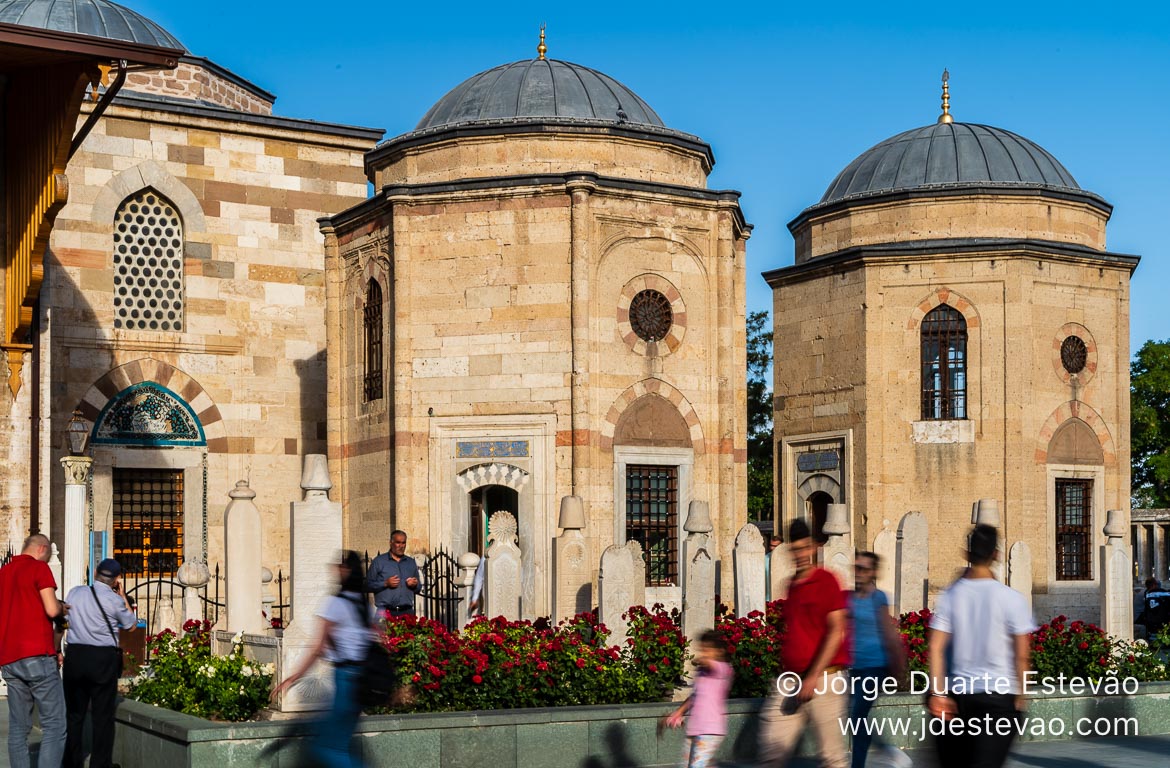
column 501, row 584
column 76, row 541
column 913, row 563
column 572, row 565
column 698, row 598
column 193, row 575
column 315, row 547
column 580, row 295
column 1159, row 552
column 243, row 534
column 750, row 589
column 838, row 550
column 468, row 563
column 1117, row 598
column 55, row 568
column 1143, row 560
column 335, row 431
column 986, row 512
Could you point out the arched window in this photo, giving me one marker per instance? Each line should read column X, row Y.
column 373, row 324
column 148, row 264
column 944, row 364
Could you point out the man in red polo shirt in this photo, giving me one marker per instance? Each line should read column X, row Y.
column 813, row 655
column 28, row 653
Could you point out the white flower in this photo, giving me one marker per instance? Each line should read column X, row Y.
column 241, row 689
column 246, row 671
column 238, row 637
column 231, row 657
column 268, row 669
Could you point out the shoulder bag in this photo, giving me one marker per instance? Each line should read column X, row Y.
column 117, row 647
column 378, row 677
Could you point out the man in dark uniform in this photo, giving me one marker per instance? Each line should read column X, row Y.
column 393, row 579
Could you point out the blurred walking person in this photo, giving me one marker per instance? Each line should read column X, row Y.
column 343, row 641
column 813, row 652
column 986, row 628
column 878, row 655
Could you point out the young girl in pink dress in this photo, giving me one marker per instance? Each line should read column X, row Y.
column 706, row 707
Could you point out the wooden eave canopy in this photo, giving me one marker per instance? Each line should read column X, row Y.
column 44, row 75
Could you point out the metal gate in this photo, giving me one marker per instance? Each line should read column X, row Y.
column 439, row 594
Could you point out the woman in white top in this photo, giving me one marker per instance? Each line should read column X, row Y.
column 344, row 637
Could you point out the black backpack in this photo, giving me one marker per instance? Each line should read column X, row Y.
column 378, row 678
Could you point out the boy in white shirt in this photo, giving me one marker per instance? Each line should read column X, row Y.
column 987, row 628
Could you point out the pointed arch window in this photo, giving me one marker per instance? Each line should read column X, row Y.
column 944, row 364
column 372, row 316
column 148, row 264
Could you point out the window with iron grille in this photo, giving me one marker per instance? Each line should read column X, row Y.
column 1074, row 535
column 652, row 520
column 373, row 324
column 944, row 364
column 148, row 264
column 148, row 521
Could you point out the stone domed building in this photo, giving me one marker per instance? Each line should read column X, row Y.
column 543, row 298
column 970, row 340
column 182, row 311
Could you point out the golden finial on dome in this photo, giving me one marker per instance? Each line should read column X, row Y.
column 945, row 117
column 541, row 49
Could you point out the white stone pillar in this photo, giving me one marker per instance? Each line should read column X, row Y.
column 468, row 563
column 750, row 589
column 698, row 598
column 315, row 550
column 501, row 578
column 243, row 543
column 572, row 565
column 76, row 539
column 838, row 550
column 1117, row 599
column 193, row 575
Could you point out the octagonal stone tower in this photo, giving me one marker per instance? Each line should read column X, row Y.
column 542, row 299
column 954, row 329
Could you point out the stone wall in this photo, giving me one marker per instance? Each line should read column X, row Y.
column 248, row 191
column 202, row 80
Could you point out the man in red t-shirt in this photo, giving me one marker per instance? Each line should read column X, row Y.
column 813, row 655
column 28, row 653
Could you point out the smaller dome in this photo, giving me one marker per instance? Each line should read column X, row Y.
column 944, row 154
column 539, row 88
column 96, row 18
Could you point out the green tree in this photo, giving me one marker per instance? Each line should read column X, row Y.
column 759, row 411
column 1150, row 425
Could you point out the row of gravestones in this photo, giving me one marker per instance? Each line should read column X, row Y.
column 759, row 576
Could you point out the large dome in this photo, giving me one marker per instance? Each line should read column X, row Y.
column 950, row 154
column 96, row 18
column 539, row 88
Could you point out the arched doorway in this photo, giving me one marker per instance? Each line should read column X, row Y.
column 818, row 510
column 484, row 502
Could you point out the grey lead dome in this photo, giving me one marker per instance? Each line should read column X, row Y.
column 950, row 154
column 96, row 18
column 539, row 88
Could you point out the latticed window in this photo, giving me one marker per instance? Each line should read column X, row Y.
column 373, row 324
column 148, row 521
column 652, row 520
column 1074, row 535
column 944, row 364
column 148, row 264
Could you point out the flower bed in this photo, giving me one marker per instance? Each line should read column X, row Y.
column 181, row 673
column 501, row 664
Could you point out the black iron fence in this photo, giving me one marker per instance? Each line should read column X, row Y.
column 152, row 595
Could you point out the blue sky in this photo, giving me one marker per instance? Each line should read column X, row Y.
column 786, row 94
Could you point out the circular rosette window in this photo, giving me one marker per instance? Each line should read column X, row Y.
column 1074, row 354
column 651, row 316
